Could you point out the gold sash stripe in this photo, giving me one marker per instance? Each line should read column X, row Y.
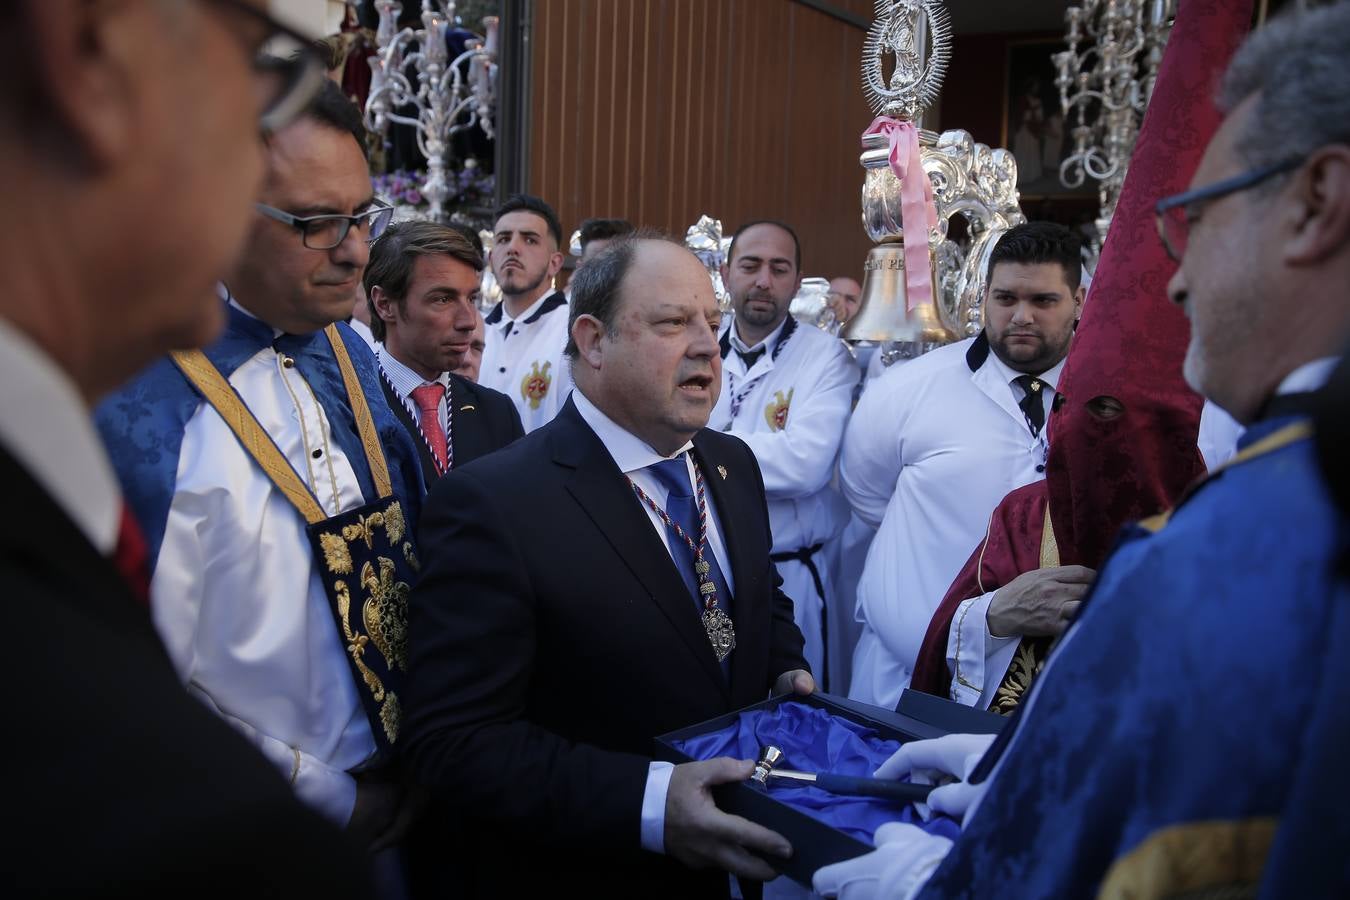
column 255, row 440
column 1223, row 858
column 206, row 378
column 365, row 425
column 1049, row 546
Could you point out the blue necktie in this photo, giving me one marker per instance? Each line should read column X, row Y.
column 673, row 474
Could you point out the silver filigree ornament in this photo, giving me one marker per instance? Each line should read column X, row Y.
column 900, row 29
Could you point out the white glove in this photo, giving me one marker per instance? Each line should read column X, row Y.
column 905, row 856
column 939, row 761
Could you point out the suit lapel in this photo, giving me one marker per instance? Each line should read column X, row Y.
column 429, row 473
column 722, row 478
column 468, row 428
column 602, row 491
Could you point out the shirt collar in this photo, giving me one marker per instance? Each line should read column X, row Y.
column 47, row 427
column 1050, row 377
column 403, row 379
column 1308, row 377
column 769, row 342
column 629, row 452
column 531, row 310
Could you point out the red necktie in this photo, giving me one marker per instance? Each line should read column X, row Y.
column 131, row 557
column 428, row 399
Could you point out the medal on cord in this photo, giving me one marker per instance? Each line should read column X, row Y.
column 716, row 623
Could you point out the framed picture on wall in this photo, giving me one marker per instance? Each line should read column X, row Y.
column 1034, row 127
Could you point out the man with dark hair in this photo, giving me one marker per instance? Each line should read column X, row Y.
column 935, row 444
column 277, row 490
column 422, row 281
column 563, row 621
column 787, row 392
column 527, row 330
column 597, row 234
column 125, row 785
column 1128, row 771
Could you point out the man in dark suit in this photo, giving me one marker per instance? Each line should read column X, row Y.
column 422, row 281
column 123, row 785
column 562, row 621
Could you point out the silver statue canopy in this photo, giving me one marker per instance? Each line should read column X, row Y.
column 970, row 181
column 900, row 29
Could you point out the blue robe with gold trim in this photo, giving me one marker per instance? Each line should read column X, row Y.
column 143, row 422
column 1192, row 711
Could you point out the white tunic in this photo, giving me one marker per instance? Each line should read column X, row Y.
column 523, row 358
column 931, row 450
column 237, row 598
column 791, row 411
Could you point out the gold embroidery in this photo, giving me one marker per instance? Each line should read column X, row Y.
column 776, row 413
column 365, row 424
column 534, row 386
column 364, row 528
column 1222, row 858
column 356, row 642
column 1026, row 665
column 411, row 557
column 385, row 613
column 393, row 522
column 335, row 554
column 1031, row 652
column 391, row 716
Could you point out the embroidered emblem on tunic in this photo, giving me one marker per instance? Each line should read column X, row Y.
column 393, row 522
column 385, row 612
column 1026, row 665
column 776, row 413
column 335, row 554
column 534, row 386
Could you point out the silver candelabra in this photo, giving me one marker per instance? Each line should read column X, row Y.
column 1105, row 80
column 412, row 67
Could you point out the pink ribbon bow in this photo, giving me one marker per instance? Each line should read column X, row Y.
column 918, row 212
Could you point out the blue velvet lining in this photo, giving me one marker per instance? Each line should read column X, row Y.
column 813, row 740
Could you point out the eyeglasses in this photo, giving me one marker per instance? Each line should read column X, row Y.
column 1176, row 214
column 288, row 68
column 329, row 230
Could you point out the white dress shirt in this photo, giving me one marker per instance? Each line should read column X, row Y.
column 518, row 349
column 633, row 456
column 237, row 597
column 367, row 335
column 930, row 451
column 46, row 427
column 809, row 384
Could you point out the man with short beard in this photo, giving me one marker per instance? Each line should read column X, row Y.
column 787, row 392
column 936, row 444
column 527, row 330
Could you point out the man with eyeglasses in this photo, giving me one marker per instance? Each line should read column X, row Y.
column 129, row 154
column 278, row 493
column 1188, row 736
